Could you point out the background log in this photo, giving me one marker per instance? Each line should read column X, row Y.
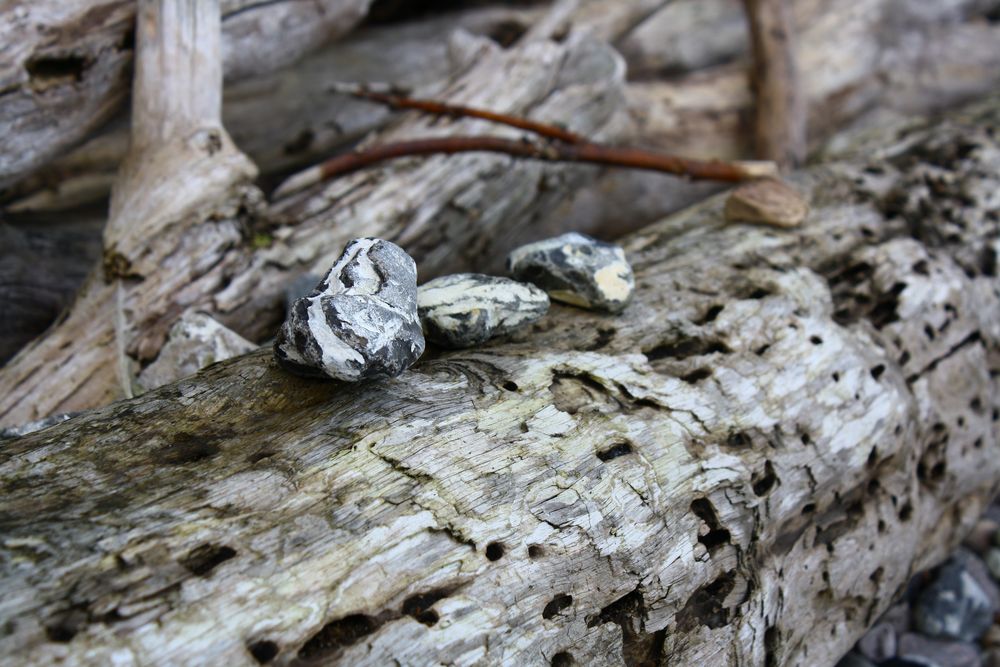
column 755, row 455
column 65, row 65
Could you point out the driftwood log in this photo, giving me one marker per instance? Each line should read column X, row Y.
column 688, row 88
column 66, row 65
column 228, row 258
column 743, row 468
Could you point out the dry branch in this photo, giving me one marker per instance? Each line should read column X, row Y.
column 757, row 454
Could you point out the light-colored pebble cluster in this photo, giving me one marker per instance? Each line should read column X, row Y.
column 367, row 318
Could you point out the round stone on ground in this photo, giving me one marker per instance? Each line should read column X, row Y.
column 467, row 309
column 576, row 269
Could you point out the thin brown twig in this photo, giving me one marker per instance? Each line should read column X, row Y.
column 397, row 100
column 589, row 153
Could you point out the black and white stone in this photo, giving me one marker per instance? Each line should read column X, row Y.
column 361, row 320
column 467, row 309
column 576, row 269
column 955, row 604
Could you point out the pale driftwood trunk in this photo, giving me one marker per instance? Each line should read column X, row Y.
column 741, row 469
column 65, row 65
column 232, row 261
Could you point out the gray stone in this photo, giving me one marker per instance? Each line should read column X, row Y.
column 975, row 566
column 954, row 605
column 879, row 643
column 194, row 342
column 936, row 653
column 980, row 538
column 576, row 269
column 466, row 309
column 993, row 562
column 361, row 320
column 853, row 659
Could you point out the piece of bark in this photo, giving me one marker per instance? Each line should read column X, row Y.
column 234, row 264
column 744, row 467
column 65, row 67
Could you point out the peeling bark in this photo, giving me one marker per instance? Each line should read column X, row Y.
column 742, row 468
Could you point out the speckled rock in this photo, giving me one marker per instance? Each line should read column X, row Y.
column 576, row 269
column 466, row 309
column 954, row 605
column 361, row 320
column 195, row 341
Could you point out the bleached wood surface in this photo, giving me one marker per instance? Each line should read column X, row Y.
column 64, row 64
column 743, row 468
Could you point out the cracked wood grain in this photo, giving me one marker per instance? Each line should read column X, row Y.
column 755, row 455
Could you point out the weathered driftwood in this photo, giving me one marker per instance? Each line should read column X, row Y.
column 230, row 261
column 881, row 53
column 878, row 58
column 65, row 66
column 931, row 59
column 287, row 119
column 741, row 469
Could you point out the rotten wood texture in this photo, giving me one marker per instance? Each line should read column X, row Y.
column 743, row 468
column 235, row 261
column 779, row 113
column 65, row 66
column 879, row 57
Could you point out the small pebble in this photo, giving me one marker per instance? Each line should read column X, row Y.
column 937, row 653
column 195, row 341
column 853, row 659
column 467, row 309
column 898, row 616
column 879, row 643
column 361, row 320
column 576, row 269
column 953, row 605
column 992, row 637
column 766, row 201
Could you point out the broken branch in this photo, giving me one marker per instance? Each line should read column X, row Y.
column 588, row 153
column 394, row 99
